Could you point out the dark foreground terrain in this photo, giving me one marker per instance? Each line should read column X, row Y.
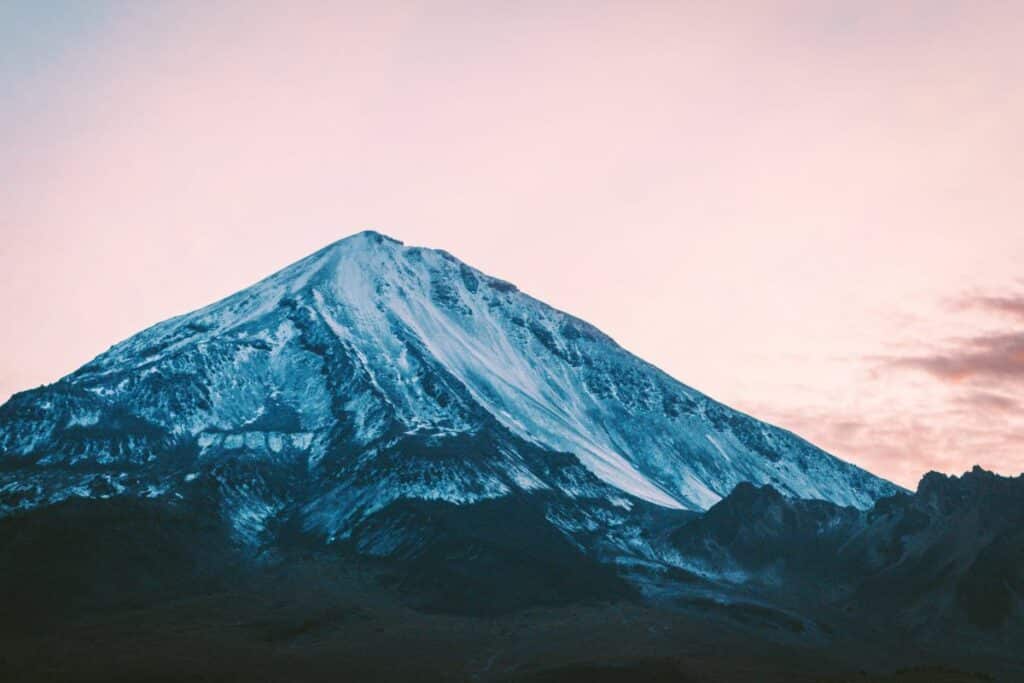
column 302, row 625
column 122, row 589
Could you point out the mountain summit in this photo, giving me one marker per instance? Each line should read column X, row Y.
column 374, row 372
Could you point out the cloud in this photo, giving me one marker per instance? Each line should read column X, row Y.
column 990, row 357
column 1012, row 305
column 997, row 357
column 971, row 414
column 956, row 401
column 988, row 401
column 846, row 429
column 906, row 443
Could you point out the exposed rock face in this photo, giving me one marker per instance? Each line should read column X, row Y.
column 950, row 555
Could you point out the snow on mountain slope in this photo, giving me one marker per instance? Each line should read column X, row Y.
column 381, row 371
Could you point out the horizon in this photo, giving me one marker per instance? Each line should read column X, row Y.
column 812, row 218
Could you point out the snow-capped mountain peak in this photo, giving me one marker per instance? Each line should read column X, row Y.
column 380, row 371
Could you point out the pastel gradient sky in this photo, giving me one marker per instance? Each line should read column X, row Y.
column 811, row 211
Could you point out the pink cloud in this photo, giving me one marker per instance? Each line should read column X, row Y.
column 998, row 357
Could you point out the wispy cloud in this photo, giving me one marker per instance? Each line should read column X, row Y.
column 948, row 436
column 995, row 357
column 998, row 357
column 1012, row 305
column 984, row 400
column 939, row 403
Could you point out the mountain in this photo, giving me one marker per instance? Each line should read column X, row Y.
column 940, row 570
column 380, row 451
column 371, row 372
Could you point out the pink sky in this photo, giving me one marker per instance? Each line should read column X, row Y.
column 810, row 211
